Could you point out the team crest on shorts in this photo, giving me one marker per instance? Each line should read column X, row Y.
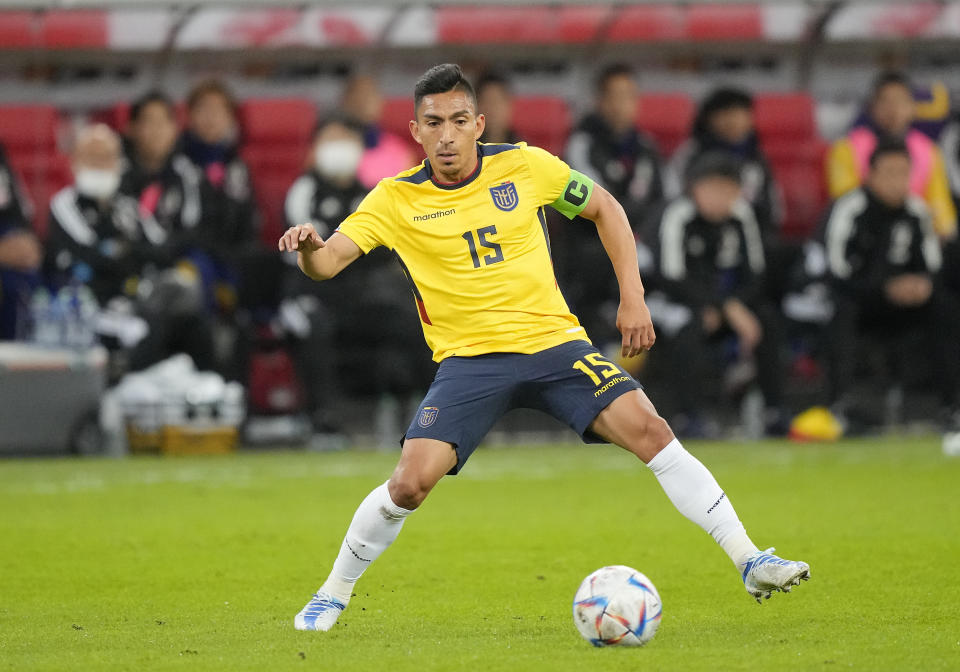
column 428, row 416
column 505, row 196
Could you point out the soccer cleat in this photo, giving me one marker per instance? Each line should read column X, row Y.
column 321, row 612
column 765, row 573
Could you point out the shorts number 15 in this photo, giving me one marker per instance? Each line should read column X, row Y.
column 595, row 365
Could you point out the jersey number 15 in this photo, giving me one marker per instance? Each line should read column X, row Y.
column 481, row 239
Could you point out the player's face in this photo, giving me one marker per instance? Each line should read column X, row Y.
column 715, row 197
column 447, row 126
column 732, row 125
column 889, row 179
column 893, row 109
column 155, row 131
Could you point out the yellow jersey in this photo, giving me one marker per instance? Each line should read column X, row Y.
column 477, row 252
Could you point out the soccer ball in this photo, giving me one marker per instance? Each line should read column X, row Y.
column 617, row 606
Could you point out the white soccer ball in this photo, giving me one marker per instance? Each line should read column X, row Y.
column 617, row 606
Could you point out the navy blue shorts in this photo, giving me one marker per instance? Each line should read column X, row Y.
column 572, row 382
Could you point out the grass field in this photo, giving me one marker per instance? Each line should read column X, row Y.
column 146, row 564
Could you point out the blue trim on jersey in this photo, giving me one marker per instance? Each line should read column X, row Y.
column 491, row 150
column 542, row 216
column 418, row 177
column 426, row 172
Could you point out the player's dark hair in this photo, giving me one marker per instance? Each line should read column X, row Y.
column 886, row 146
column 492, row 78
column 149, row 98
column 890, row 78
column 715, row 163
column 211, row 87
column 441, row 79
column 611, row 72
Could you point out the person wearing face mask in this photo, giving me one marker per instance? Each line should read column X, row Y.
column 164, row 181
column 890, row 116
column 20, row 252
column 724, row 122
column 372, row 294
column 104, row 239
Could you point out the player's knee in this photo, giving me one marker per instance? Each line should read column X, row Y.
column 407, row 490
column 654, row 434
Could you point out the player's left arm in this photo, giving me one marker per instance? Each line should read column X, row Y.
column 633, row 317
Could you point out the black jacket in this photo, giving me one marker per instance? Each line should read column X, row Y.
column 627, row 166
column 102, row 247
column 700, row 263
column 16, row 209
column 172, row 196
column 868, row 243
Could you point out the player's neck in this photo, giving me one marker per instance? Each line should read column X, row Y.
column 466, row 173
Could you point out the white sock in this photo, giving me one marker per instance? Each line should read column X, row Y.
column 375, row 525
column 694, row 491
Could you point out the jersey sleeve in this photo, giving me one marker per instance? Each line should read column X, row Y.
column 559, row 186
column 372, row 223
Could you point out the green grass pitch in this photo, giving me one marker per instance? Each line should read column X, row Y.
column 201, row 563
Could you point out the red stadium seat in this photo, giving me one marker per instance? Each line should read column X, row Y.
column 543, row 121
column 288, row 121
column 788, row 115
column 29, row 134
column 667, row 117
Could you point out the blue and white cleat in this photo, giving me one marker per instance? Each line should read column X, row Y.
column 765, row 573
column 321, row 612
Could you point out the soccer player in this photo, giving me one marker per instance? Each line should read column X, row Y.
column 468, row 228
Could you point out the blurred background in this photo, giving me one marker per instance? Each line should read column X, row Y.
column 152, row 154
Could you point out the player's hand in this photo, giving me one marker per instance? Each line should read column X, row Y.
column 302, row 238
column 636, row 327
column 744, row 323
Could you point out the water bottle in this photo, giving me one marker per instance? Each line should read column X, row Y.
column 46, row 330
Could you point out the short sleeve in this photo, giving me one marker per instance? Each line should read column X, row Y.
column 559, row 186
column 550, row 173
column 372, row 223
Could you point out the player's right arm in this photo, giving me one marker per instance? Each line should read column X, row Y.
column 320, row 259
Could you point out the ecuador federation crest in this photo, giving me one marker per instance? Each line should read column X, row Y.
column 428, row 415
column 505, row 196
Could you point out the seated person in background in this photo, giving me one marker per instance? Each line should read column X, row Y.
column 725, row 122
column 495, row 102
column 883, row 260
column 385, row 153
column 103, row 239
column 950, row 149
column 164, row 181
column 607, row 145
column 211, row 143
column 20, row 253
column 389, row 362
column 890, row 117
column 708, row 285
column 236, row 271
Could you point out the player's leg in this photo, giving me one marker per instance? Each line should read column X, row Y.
column 632, row 422
column 376, row 524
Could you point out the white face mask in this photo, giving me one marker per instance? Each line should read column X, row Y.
column 338, row 159
column 96, row 183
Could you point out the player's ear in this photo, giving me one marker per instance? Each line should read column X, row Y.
column 415, row 131
column 481, row 124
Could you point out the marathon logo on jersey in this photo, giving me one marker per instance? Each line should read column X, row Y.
column 505, row 196
column 428, row 416
column 434, row 215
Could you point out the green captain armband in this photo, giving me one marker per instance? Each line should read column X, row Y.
column 575, row 195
